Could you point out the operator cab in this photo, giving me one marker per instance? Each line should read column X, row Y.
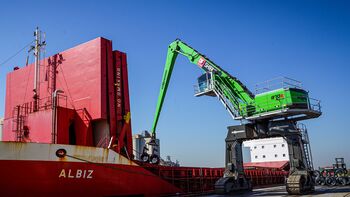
column 204, row 86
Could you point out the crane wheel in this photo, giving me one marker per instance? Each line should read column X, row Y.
column 342, row 181
column 340, row 172
column 331, row 181
column 154, row 159
column 320, row 180
column 145, row 157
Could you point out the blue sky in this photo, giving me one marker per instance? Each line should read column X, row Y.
column 252, row 40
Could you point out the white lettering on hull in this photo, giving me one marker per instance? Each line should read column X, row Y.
column 76, row 174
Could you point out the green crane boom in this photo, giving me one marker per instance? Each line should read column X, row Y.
column 236, row 97
column 178, row 47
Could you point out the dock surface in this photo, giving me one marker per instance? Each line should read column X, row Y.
column 320, row 191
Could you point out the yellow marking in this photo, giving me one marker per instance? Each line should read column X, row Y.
column 127, row 118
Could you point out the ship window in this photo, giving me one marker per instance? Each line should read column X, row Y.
column 264, row 156
column 284, row 155
column 256, row 156
column 274, row 145
column 276, row 155
column 262, row 147
column 254, row 147
column 282, row 145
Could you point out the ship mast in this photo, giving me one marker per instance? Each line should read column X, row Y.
column 37, row 50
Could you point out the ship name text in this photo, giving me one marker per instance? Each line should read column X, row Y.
column 76, row 174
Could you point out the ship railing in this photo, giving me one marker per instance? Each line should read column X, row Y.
column 198, row 180
column 20, row 112
column 61, row 100
column 43, row 104
column 84, row 115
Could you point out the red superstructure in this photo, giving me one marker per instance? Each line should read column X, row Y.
column 76, row 140
column 93, row 109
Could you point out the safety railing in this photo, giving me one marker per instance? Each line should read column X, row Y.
column 315, row 104
column 20, row 112
column 43, row 104
column 303, row 131
column 276, row 83
column 84, row 115
column 306, row 145
column 224, row 94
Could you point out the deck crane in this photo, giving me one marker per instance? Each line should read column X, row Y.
column 269, row 114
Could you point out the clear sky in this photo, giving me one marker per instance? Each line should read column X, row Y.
column 252, row 40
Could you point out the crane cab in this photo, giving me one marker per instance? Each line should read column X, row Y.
column 204, row 86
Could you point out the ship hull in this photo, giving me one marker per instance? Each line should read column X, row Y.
column 77, row 174
column 35, row 169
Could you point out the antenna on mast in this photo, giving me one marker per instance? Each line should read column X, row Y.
column 37, row 49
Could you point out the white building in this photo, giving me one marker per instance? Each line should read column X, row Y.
column 1, row 125
column 268, row 149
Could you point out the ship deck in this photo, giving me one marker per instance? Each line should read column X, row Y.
column 321, row 191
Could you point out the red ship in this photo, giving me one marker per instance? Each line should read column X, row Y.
column 71, row 133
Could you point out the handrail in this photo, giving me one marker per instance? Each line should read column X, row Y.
column 228, row 105
column 315, row 104
column 279, row 82
column 43, row 104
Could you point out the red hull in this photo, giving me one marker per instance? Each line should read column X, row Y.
column 42, row 178
column 33, row 169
